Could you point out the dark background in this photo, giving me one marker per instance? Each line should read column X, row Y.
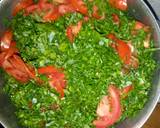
column 1, row 126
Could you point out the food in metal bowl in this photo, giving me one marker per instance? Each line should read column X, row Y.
column 75, row 63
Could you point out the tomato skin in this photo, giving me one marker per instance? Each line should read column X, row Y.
column 52, row 11
column 17, row 74
column 109, row 109
column 63, row 9
column 47, row 70
column 57, row 87
column 76, row 28
column 115, row 18
column 56, row 78
column 112, row 37
column 79, row 6
column 122, row 49
column 95, row 12
column 6, row 40
column 10, row 52
column 11, row 62
column 138, row 25
column 119, row 4
column 125, row 91
column 73, row 30
column 2, row 58
column 40, row 7
column 22, row 5
column 15, row 66
column 5, row 55
column 31, row 9
column 69, row 34
column 51, row 15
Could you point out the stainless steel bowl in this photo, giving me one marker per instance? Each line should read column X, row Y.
column 137, row 8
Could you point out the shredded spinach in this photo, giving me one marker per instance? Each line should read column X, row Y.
column 90, row 66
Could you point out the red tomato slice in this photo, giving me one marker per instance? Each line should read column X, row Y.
column 86, row 19
column 22, row 5
column 112, row 37
column 63, row 9
column 51, row 15
column 47, row 70
column 57, row 87
column 70, row 34
column 40, row 7
column 103, row 107
column 31, row 9
column 115, row 102
column 56, row 78
column 18, row 75
column 42, row 1
column 17, row 65
column 6, row 40
column 2, row 58
column 109, row 108
column 24, row 67
column 76, row 28
column 138, row 25
column 13, row 44
column 115, row 18
column 59, row 77
column 73, row 30
column 7, row 54
column 127, row 89
column 123, row 50
column 10, row 52
column 95, row 12
column 79, row 6
column 46, row 6
column 119, row 4
column 60, row 1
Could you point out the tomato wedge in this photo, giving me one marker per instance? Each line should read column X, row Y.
column 24, row 67
column 95, row 12
column 126, row 90
column 52, row 15
column 22, row 5
column 63, row 9
column 10, row 52
column 6, row 40
column 47, row 70
column 109, row 109
column 2, row 58
column 31, row 9
column 56, row 85
column 70, row 34
column 41, row 6
column 138, row 25
column 122, row 49
column 17, row 74
column 119, row 4
column 115, row 18
column 15, row 66
column 56, row 78
column 7, row 54
column 79, row 6
column 73, row 30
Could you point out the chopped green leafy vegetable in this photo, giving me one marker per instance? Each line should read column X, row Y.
column 90, row 65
